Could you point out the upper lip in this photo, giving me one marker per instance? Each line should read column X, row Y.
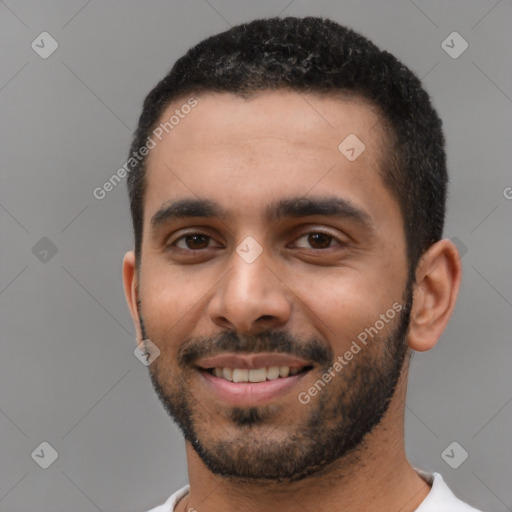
column 252, row 361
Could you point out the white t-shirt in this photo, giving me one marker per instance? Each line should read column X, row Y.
column 439, row 499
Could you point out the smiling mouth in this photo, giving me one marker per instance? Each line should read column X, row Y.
column 241, row 375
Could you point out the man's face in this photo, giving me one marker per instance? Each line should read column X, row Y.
column 295, row 295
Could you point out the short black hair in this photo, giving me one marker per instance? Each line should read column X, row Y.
column 317, row 55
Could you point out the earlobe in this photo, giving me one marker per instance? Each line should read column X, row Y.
column 130, row 284
column 438, row 277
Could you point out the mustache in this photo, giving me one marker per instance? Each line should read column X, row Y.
column 197, row 348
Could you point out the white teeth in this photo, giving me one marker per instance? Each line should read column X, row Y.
column 259, row 375
column 240, row 375
column 255, row 375
column 273, row 373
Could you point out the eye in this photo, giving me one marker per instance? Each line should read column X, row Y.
column 191, row 242
column 318, row 240
column 196, row 241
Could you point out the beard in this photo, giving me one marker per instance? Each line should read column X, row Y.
column 264, row 443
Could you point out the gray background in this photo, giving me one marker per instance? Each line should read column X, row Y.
column 68, row 374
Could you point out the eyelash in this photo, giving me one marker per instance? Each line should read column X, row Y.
column 172, row 245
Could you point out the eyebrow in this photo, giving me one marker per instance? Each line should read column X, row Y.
column 293, row 207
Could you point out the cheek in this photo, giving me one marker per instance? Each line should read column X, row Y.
column 169, row 298
column 343, row 303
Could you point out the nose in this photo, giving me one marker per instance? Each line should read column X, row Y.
column 250, row 298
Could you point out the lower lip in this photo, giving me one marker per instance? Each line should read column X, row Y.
column 249, row 393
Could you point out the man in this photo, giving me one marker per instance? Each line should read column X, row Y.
column 288, row 197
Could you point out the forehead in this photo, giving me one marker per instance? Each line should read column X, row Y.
column 286, row 115
column 254, row 151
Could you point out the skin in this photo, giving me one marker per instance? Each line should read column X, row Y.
column 244, row 154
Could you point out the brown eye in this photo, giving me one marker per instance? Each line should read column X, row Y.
column 193, row 241
column 197, row 241
column 317, row 240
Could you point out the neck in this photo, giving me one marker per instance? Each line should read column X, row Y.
column 377, row 475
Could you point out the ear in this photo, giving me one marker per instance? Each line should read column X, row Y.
column 131, row 290
column 438, row 277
